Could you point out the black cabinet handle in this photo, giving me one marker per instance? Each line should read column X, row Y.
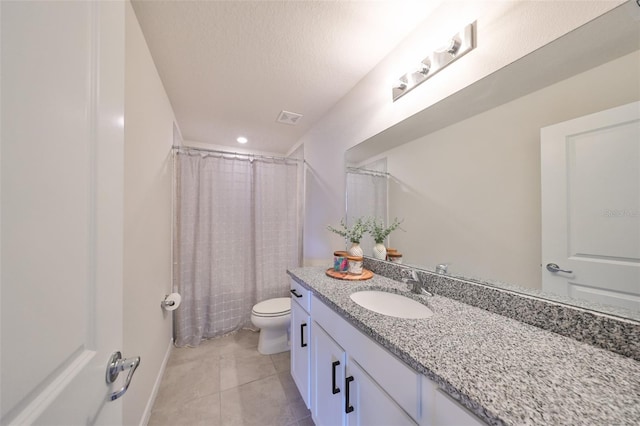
column 335, row 390
column 295, row 293
column 347, row 405
column 302, row 343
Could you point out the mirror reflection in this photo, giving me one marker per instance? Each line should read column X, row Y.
column 475, row 195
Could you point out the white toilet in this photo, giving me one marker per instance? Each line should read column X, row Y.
column 272, row 317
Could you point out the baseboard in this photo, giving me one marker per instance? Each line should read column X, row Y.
column 156, row 386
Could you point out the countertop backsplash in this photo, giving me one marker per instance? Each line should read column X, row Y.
column 616, row 334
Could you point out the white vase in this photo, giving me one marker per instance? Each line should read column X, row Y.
column 355, row 250
column 379, row 251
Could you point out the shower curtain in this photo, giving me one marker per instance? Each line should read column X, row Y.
column 367, row 195
column 237, row 230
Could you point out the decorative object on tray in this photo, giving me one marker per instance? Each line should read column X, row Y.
column 395, row 257
column 390, row 251
column 355, row 265
column 366, row 274
column 380, row 233
column 353, row 234
column 340, row 261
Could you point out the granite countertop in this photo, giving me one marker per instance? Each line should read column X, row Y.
column 505, row 371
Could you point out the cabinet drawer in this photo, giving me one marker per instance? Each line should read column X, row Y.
column 399, row 381
column 300, row 294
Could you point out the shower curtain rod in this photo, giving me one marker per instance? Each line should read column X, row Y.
column 247, row 155
column 368, row 172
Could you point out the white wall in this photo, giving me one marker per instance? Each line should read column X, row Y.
column 506, row 32
column 471, row 191
column 147, row 219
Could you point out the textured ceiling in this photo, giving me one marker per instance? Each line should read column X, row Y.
column 230, row 67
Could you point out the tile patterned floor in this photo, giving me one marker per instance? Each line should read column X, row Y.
column 227, row 382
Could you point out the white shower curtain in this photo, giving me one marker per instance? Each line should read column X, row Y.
column 367, row 195
column 237, row 231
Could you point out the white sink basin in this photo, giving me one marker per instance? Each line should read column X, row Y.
column 394, row 305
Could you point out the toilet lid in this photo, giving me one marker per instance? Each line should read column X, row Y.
column 273, row 307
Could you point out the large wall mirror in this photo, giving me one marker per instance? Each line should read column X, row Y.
column 466, row 174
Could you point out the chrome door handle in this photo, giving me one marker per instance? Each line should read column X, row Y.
column 115, row 366
column 552, row 267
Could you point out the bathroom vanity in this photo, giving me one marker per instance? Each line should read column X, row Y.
column 461, row 366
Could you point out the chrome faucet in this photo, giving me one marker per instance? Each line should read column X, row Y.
column 442, row 268
column 415, row 284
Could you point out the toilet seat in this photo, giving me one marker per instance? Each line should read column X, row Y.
column 277, row 307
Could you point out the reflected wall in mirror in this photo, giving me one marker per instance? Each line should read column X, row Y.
column 470, row 193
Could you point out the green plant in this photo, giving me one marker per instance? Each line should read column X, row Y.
column 379, row 232
column 354, row 233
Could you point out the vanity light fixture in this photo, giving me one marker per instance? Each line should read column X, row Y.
column 458, row 46
column 452, row 48
column 400, row 85
column 424, row 67
column 242, row 139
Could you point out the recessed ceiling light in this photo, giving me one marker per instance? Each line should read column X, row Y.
column 242, row 139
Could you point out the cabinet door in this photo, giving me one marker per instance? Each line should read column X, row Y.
column 328, row 361
column 367, row 403
column 300, row 352
column 448, row 412
column 396, row 378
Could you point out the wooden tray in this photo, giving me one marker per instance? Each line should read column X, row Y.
column 366, row 274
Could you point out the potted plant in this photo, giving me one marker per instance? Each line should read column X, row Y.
column 379, row 233
column 353, row 234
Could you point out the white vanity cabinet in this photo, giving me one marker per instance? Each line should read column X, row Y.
column 439, row 409
column 342, row 391
column 300, row 340
column 354, row 381
column 348, row 379
column 327, row 378
column 368, row 402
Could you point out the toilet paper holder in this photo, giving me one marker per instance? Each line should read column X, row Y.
column 171, row 302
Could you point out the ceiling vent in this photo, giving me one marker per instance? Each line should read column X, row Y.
column 290, row 118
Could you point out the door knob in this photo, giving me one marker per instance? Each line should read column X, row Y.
column 552, row 267
column 115, row 366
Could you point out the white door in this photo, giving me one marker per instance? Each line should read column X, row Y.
column 591, row 207
column 62, row 176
